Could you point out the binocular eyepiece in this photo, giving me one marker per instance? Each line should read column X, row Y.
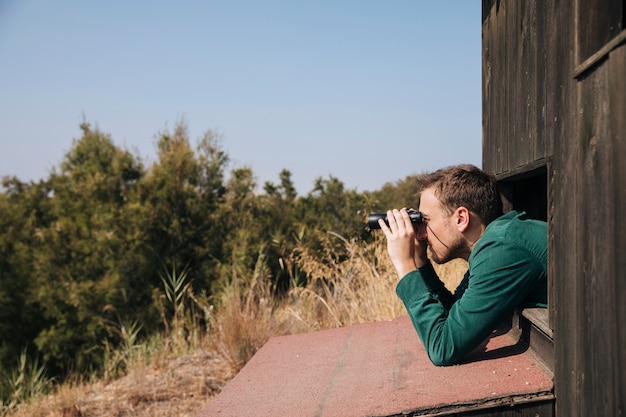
column 372, row 219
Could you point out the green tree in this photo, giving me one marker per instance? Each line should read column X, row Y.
column 402, row 193
column 284, row 228
column 79, row 262
column 261, row 226
column 23, row 212
column 181, row 197
column 330, row 207
column 240, row 220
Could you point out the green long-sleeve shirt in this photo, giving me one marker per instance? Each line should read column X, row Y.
column 507, row 269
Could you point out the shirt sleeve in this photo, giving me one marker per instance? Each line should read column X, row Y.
column 501, row 275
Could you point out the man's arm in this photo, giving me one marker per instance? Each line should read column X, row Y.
column 502, row 275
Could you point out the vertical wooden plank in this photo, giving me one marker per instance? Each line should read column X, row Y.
column 496, row 101
column 515, row 32
column 543, row 17
column 597, row 238
column 525, row 103
column 510, row 85
column 501, row 146
column 564, row 224
column 486, row 8
column 556, row 61
column 557, row 85
column 599, row 21
column 539, row 77
column 617, row 123
column 499, row 70
column 486, row 35
column 494, row 77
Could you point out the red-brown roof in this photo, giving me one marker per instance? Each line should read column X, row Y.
column 378, row 369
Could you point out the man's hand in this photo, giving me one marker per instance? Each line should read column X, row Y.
column 403, row 247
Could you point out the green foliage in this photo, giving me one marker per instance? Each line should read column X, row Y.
column 176, row 285
column 401, row 194
column 23, row 210
column 176, row 288
column 180, row 200
column 27, row 380
column 118, row 358
column 330, row 207
column 84, row 251
column 88, row 245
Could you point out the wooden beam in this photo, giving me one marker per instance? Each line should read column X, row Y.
column 602, row 52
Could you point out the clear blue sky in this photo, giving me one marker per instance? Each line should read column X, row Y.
column 368, row 91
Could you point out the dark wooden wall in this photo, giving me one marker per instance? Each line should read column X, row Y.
column 554, row 113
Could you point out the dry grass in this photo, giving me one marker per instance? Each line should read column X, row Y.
column 359, row 287
column 182, row 388
column 351, row 282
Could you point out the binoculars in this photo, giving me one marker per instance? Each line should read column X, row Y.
column 372, row 219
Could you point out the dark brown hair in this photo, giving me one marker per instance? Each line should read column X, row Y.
column 467, row 186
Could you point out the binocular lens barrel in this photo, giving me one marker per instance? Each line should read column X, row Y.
column 372, row 219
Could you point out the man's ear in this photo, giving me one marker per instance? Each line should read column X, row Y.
column 462, row 218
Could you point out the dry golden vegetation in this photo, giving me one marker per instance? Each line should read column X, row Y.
column 178, row 372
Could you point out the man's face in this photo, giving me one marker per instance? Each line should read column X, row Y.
column 444, row 240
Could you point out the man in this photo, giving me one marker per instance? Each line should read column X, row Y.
column 507, row 257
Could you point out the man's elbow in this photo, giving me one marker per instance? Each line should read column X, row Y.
column 443, row 358
column 442, row 361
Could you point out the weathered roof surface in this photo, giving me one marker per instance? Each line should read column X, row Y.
column 375, row 369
